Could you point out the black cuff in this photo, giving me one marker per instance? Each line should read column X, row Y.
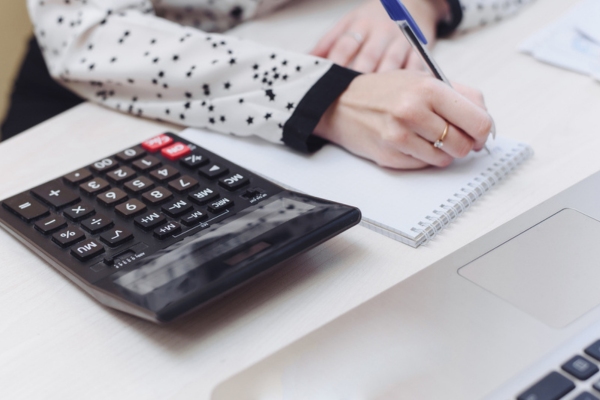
column 298, row 129
column 445, row 28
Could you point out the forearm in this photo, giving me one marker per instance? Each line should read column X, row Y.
column 135, row 62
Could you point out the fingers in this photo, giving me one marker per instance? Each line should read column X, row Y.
column 415, row 62
column 395, row 55
column 371, row 52
column 412, row 144
column 347, row 46
column 323, row 47
column 461, row 112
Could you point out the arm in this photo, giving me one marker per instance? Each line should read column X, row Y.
column 368, row 41
column 120, row 54
column 469, row 14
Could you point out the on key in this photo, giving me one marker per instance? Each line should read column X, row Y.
column 175, row 151
column 55, row 193
column 25, row 207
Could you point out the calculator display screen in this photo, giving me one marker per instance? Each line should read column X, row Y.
column 230, row 243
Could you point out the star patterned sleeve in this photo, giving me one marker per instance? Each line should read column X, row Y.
column 120, row 54
column 469, row 14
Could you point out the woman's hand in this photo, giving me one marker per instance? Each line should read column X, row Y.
column 367, row 40
column 393, row 118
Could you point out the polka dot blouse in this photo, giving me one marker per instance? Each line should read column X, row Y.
column 170, row 61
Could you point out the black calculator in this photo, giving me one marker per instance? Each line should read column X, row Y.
column 162, row 228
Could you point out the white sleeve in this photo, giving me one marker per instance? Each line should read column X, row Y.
column 476, row 13
column 118, row 53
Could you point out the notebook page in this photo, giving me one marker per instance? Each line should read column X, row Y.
column 396, row 200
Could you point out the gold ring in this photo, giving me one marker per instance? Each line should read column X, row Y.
column 356, row 36
column 438, row 144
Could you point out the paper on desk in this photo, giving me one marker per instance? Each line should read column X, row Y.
column 572, row 42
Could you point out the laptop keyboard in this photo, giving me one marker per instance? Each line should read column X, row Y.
column 577, row 369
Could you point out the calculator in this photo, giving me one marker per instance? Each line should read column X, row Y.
column 166, row 226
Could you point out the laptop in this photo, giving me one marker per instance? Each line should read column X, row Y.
column 512, row 315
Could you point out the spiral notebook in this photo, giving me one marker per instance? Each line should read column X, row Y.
column 408, row 206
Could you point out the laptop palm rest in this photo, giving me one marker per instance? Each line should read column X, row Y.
column 551, row 271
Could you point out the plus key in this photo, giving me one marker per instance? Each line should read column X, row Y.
column 55, row 193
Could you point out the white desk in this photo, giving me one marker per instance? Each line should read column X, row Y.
column 58, row 343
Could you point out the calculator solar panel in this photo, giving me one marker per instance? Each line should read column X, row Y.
column 161, row 228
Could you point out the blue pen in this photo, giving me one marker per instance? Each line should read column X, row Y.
column 400, row 15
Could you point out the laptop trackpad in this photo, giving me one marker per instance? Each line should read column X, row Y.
column 550, row 271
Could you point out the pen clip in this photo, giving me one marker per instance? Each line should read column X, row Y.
column 398, row 12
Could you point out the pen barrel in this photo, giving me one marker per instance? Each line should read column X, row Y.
column 425, row 55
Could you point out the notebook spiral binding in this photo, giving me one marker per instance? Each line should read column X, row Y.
column 459, row 202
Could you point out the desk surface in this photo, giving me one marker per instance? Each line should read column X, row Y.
column 56, row 342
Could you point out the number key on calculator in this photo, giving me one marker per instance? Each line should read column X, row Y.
column 159, row 229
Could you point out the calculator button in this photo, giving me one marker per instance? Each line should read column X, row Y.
column 234, row 182
column 212, row 171
column 220, row 205
column 175, row 151
column 552, row 387
column 130, row 208
column 130, row 154
column 203, row 196
column 75, row 177
column 78, row 212
column 50, row 224
column 68, row 236
column 177, row 208
column 94, row 186
column 116, row 236
column 120, row 174
column 25, row 207
column 580, row 367
column 194, row 160
column 112, row 197
column 150, row 220
column 146, row 163
column 157, row 196
column 104, row 165
column 156, row 143
column 55, row 193
column 164, row 173
column 96, row 224
column 183, row 184
column 139, row 185
column 193, row 218
column 87, row 249
column 167, row 230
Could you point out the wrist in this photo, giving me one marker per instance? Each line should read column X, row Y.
column 440, row 9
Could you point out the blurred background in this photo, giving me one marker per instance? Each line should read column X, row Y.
column 15, row 30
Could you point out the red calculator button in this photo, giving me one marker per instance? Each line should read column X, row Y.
column 176, row 150
column 156, row 143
